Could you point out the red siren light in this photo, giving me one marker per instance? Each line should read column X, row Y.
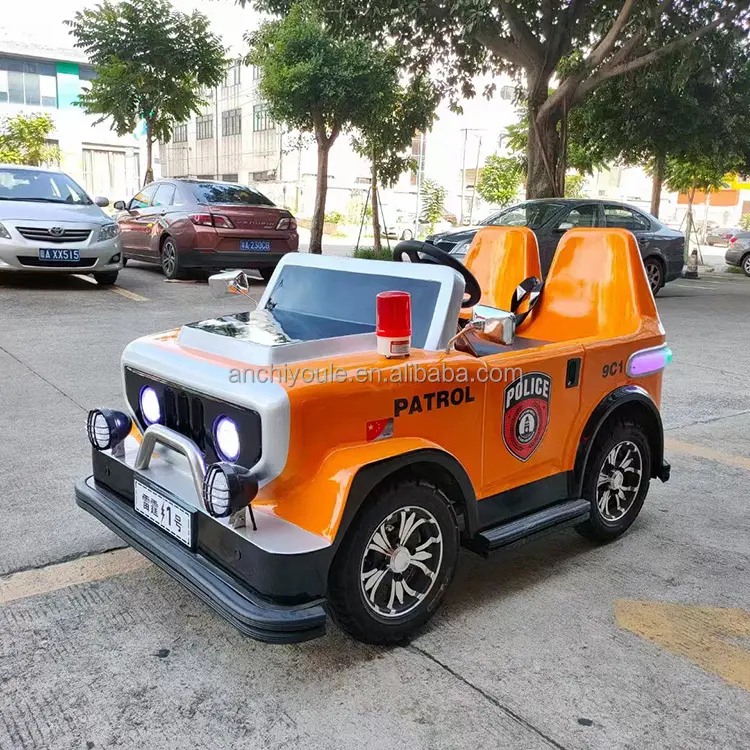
column 393, row 323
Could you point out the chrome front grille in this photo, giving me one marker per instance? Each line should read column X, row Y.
column 43, row 234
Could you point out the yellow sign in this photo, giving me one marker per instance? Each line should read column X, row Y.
column 709, row 636
column 737, row 182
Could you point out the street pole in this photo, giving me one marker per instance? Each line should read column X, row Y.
column 476, row 179
column 419, row 185
column 463, row 177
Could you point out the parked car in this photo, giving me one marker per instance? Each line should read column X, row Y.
column 721, row 235
column 401, row 229
column 738, row 252
column 186, row 225
column 49, row 224
column 662, row 248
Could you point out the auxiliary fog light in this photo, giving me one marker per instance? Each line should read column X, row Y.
column 228, row 488
column 227, row 439
column 648, row 361
column 107, row 428
column 150, row 406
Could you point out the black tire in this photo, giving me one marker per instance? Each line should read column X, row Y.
column 124, row 261
column 407, row 234
column 106, row 278
column 266, row 273
column 655, row 274
column 614, row 446
column 169, row 258
column 349, row 580
column 745, row 265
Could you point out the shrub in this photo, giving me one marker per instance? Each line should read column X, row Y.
column 368, row 253
column 334, row 217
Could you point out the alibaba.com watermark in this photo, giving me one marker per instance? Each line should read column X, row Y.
column 410, row 372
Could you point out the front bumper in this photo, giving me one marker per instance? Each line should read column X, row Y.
column 250, row 613
column 23, row 255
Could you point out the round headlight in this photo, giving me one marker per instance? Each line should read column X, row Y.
column 216, row 492
column 150, row 406
column 227, row 439
column 107, row 428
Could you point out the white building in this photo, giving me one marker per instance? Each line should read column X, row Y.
column 234, row 139
column 38, row 79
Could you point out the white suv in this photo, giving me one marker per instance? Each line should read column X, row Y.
column 48, row 223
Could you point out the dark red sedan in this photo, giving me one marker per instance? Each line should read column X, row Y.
column 186, row 225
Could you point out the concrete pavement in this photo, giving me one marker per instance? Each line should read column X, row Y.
column 537, row 647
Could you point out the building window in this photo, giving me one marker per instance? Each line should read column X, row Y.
column 418, row 149
column 231, row 122
column 266, row 176
column 261, row 119
column 508, row 93
column 233, row 75
column 179, row 133
column 32, row 83
column 256, row 72
column 230, row 177
column 204, row 127
column 205, row 92
column 205, row 177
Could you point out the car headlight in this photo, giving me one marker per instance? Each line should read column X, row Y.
column 4, row 233
column 461, row 248
column 227, row 439
column 108, row 231
column 150, row 406
column 228, row 488
column 106, row 428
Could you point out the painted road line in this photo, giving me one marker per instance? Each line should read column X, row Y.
column 702, row 452
column 130, row 295
column 60, row 576
column 694, row 286
column 708, row 636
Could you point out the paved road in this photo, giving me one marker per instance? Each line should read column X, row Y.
column 644, row 643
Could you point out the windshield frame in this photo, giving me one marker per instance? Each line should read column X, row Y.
column 58, row 180
column 198, row 190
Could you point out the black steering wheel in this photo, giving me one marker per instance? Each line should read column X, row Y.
column 414, row 251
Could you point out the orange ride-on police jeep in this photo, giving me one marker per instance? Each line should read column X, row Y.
column 334, row 447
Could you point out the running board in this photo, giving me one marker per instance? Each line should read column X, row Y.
column 569, row 513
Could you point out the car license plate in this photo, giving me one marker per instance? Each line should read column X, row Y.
column 164, row 513
column 58, row 255
column 262, row 246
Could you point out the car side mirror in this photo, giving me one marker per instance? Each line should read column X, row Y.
column 120, row 206
column 493, row 324
column 228, row 283
column 101, row 201
column 563, row 227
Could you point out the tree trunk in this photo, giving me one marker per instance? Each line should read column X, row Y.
column 656, row 185
column 376, row 243
column 546, row 149
column 321, row 188
column 149, row 176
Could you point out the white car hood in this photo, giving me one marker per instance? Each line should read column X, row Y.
column 38, row 211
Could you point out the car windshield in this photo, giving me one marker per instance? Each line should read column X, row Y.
column 531, row 214
column 18, row 184
column 218, row 192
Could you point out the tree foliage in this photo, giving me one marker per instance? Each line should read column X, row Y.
column 151, row 61
column 318, row 83
column 500, row 180
column 433, row 202
column 24, row 140
column 580, row 43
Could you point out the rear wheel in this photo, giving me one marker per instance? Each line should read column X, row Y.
column 395, row 564
column 655, row 274
column 407, row 234
column 170, row 260
column 266, row 273
column 616, row 480
column 106, row 278
column 746, row 265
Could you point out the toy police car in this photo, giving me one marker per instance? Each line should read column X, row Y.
column 324, row 452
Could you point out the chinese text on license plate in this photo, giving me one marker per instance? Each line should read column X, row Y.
column 164, row 513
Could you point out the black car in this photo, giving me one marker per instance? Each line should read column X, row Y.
column 662, row 248
column 738, row 252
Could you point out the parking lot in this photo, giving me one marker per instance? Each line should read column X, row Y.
column 643, row 643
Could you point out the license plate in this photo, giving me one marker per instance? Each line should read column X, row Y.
column 255, row 245
column 58, row 255
column 164, row 513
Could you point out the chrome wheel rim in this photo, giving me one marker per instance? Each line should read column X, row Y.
column 653, row 272
column 401, row 562
column 168, row 260
column 619, row 480
column 746, row 265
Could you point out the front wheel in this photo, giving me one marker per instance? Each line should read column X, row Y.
column 106, row 278
column 655, row 274
column 395, row 564
column 746, row 265
column 616, row 480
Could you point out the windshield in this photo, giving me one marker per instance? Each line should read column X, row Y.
column 532, row 214
column 19, row 184
column 217, row 192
